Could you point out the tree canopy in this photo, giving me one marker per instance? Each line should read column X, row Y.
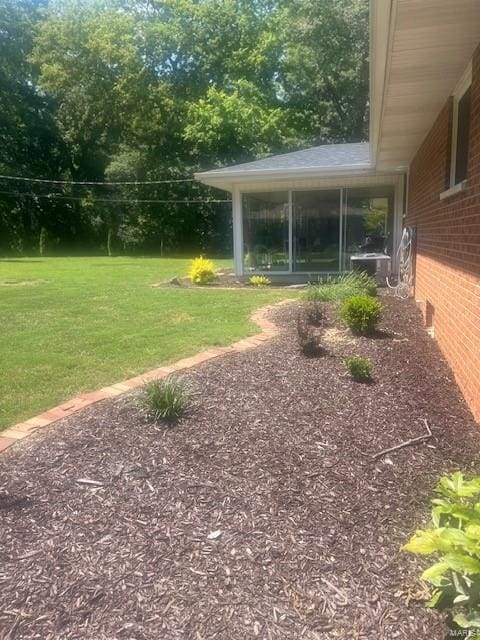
column 145, row 90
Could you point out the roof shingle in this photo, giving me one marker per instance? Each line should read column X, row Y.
column 329, row 156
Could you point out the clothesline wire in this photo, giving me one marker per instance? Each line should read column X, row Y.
column 112, row 200
column 94, row 183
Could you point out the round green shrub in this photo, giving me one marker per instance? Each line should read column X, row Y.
column 360, row 368
column 361, row 313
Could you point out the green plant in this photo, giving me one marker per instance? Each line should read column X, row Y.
column 361, row 313
column 453, row 538
column 42, row 242
column 260, row 281
column 202, row 271
column 314, row 312
column 342, row 287
column 165, row 399
column 360, row 368
column 307, row 340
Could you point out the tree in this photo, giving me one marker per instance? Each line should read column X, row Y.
column 153, row 90
column 30, row 143
column 324, row 74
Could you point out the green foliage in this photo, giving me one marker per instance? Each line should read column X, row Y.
column 325, row 69
column 360, row 368
column 202, row 271
column 361, row 313
column 30, row 141
column 314, row 312
column 374, row 221
column 342, row 287
column 97, row 90
column 170, row 89
column 236, row 123
column 307, row 340
column 259, row 281
column 42, row 242
column 453, row 539
column 165, row 399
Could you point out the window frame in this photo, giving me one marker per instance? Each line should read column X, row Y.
column 460, row 90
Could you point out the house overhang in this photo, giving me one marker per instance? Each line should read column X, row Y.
column 235, row 178
column 418, row 51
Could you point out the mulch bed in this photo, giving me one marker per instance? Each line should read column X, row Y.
column 260, row 514
column 224, row 279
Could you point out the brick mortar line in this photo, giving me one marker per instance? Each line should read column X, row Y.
column 23, row 429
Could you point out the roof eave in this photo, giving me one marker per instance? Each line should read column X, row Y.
column 228, row 178
column 381, row 16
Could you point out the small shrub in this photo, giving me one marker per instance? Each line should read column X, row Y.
column 342, row 287
column 307, row 340
column 453, row 539
column 260, row 281
column 165, row 399
column 314, row 313
column 361, row 314
column 360, row 368
column 202, row 271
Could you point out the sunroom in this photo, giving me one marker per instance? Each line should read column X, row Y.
column 305, row 215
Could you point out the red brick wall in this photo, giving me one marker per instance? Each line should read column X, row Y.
column 447, row 283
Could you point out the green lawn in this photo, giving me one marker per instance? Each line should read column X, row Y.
column 76, row 324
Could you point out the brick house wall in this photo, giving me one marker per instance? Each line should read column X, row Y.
column 447, row 278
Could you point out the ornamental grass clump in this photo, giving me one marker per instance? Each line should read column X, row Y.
column 342, row 287
column 202, row 271
column 260, row 281
column 165, row 399
column 360, row 368
column 452, row 539
column 361, row 313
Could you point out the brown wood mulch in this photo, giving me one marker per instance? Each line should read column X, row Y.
column 261, row 514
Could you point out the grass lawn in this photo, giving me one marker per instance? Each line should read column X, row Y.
column 75, row 324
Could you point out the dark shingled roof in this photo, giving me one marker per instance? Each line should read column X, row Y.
column 328, row 156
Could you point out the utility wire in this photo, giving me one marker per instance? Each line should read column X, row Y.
column 124, row 200
column 90, row 183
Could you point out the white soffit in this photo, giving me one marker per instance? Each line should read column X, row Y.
column 419, row 50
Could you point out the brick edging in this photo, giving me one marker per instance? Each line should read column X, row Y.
column 23, row 429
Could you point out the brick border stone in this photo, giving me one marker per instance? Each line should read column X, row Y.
column 23, row 429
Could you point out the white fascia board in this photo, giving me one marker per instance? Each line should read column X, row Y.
column 382, row 14
column 234, row 177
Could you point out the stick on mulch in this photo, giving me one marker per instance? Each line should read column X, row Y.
column 407, row 443
column 253, row 517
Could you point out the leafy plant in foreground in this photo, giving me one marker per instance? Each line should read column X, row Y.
column 260, row 281
column 165, row 399
column 361, row 313
column 360, row 368
column 202, row 271
column 342, row 287
column 453, row 539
